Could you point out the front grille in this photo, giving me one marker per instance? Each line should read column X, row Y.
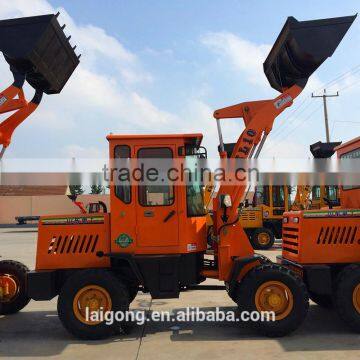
column 248, row 216
column 290, row 239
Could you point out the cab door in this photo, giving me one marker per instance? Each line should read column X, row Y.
column 157, row 203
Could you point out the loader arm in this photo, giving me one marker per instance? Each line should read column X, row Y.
column 300, row 48
column 259, row 117
column 20, row 107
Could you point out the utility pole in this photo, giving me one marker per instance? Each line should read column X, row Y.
column 324, row 96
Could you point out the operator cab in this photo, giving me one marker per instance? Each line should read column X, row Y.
column 162, row 210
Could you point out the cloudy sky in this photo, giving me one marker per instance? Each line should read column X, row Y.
column 165, row 66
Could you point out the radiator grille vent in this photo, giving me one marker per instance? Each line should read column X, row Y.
column 73, row 244
column 337, row 235
column 248, row 216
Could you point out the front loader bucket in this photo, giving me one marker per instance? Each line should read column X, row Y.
column 301, row 48
column 37, row 47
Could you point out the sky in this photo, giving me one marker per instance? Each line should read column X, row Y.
column 165, row 66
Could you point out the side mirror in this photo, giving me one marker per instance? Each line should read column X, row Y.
column 225, row 201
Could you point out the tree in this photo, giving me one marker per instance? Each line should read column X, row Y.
column 96, row 189
column 76, row 189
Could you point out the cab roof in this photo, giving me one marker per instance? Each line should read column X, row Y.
column 349, row 143
column 193, row 139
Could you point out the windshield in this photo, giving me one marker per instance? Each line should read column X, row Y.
column 194, row 190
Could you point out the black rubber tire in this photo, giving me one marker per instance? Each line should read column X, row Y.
column 18, row 271
column 227, row 288
column 346, row 282
column 274, row 272
column 325, row 301
column 119, row 297
column 255, row 241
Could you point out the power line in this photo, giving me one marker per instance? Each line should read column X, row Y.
column 298, row 125
column 324, row 96
column 290, row 119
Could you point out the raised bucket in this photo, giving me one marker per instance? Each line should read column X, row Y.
column 301, row 47
column 37, row 47
column 322, row 150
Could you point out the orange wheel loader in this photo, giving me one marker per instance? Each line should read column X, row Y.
column 38, row 52
column 323, row 247
column 154, row 237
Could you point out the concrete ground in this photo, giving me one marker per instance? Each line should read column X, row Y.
column 36, row 332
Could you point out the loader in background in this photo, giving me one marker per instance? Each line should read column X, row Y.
column 262, row 220
column 323, row 247
column 38, row 52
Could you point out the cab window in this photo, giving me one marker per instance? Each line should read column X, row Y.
column 278, row 196
column 354, row 154
column 122, row 186
column 156, row 195
column 316, row 193
column 262, row 195
column 194, row 190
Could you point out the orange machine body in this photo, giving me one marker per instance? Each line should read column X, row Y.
column 72, row 241
column 142, row 229
column 69, row 241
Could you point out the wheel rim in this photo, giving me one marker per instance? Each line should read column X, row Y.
column 356, row 298
column 274, row 296
column 264, row 238
column 95, row 299
column 9, row 288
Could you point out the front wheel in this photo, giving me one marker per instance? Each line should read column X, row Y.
column 13, row 297
column 278, row 295
column 262, row 239
column 86, row 300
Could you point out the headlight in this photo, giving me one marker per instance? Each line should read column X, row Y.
column 295, row 220
column 285, row 220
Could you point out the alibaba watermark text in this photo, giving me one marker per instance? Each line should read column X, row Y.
column 189, row 314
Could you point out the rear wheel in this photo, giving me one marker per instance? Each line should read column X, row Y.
column 347, row 296
column 276, row 289
column 13, row 296
column 262, row 239
column 91, row 292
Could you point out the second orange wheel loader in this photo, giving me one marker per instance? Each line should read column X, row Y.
column 154, row 237
column 322, row 246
